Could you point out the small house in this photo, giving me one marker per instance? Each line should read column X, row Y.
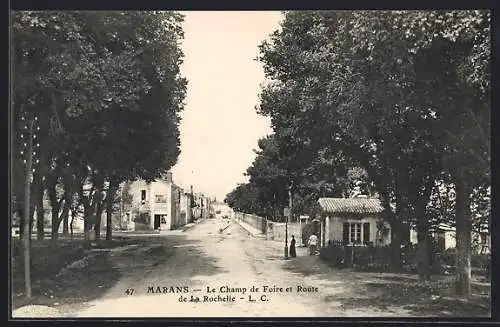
column 353, row 221
column 445, row 237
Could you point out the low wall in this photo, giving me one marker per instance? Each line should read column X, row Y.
column 273, row 231
column 276, row 232
column 256, row 222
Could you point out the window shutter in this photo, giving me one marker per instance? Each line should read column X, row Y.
column 366, row 233
column 345, row 233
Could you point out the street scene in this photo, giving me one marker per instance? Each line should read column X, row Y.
column 256, row 164
column 231, row 263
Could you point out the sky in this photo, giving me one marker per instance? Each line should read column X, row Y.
column 220, row 127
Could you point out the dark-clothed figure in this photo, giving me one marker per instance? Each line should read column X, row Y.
column 293, row 253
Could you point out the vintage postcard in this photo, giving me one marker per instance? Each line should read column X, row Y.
column 259, row 164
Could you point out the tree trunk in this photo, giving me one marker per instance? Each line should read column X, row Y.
column 113, row 187
column 463, row 233
column 57, row 219
column 64, row 215
column 424, row 248
column 99, row 207
column 56, row 206
column 98, row 218
column 65, row 224
column 21, row 219
column 40, row 217
column 396, row 241
column 89, row 221
column 38, row 187
column 88, row 210
column 71, row 227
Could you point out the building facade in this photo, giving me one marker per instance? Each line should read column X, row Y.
column 354, row 221
column 155, row 205
column 221, row 209
column 185, row 208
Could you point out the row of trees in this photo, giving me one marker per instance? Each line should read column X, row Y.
column 266, row 193
column 105, row 92
column 403, row 97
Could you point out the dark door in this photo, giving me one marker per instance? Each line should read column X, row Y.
column 157, row 221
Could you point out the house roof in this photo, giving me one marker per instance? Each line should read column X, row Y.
column 350, row 205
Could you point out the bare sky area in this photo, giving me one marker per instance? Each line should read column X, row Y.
column 220, row 126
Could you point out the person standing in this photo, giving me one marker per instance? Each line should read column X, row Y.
column 293, row 253
column 313, row 242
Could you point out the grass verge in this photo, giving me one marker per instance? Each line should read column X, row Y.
column 79, row 284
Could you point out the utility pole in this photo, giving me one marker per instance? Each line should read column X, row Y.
column 287, row 216
column 121, row 206
column 27, row 189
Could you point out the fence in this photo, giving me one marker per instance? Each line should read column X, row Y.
column 256, row 222
column 273, row 231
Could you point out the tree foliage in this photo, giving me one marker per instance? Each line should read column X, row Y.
column 404, row 95
column 107, row 90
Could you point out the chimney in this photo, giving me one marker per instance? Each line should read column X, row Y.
column 168, row 178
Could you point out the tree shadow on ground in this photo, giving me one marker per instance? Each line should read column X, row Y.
column 434, row 298
column 190, row 258
column 386, row 292
column 74, row 285
column 99, row 269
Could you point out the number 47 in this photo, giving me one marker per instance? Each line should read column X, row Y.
column 129, row 291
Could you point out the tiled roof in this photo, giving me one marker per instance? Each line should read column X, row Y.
column 350, row 205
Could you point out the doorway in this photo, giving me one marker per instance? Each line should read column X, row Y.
column 157, row 221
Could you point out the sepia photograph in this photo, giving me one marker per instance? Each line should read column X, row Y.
column 251, row 164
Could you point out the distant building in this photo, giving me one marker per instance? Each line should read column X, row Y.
column 201, row 206
column 185, row 208
column 222, row 209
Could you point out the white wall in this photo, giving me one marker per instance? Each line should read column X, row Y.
column 164, row 189
column 277, row 232
column 335, row 225
column 225, row 210
column 449, row 238
column 152, row 189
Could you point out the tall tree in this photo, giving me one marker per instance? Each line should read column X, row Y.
column 352, row 82
column 102, row 81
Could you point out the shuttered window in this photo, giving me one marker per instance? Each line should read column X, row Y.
column 366, row 233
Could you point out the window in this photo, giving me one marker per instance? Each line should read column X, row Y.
column 160, row 198
column 356, row 233
column 143, row 195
